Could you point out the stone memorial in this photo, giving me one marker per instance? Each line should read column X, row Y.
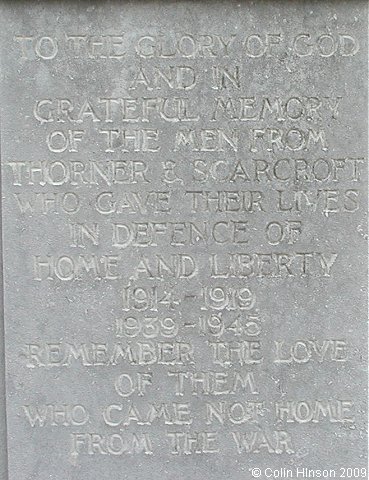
column 184, row 240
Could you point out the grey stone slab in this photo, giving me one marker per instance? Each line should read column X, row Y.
column 184, row 239
column 3, row 432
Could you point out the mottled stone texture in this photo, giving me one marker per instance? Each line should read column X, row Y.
column 184, row 239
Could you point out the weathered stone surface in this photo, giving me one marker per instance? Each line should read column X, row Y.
column 184, row 243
